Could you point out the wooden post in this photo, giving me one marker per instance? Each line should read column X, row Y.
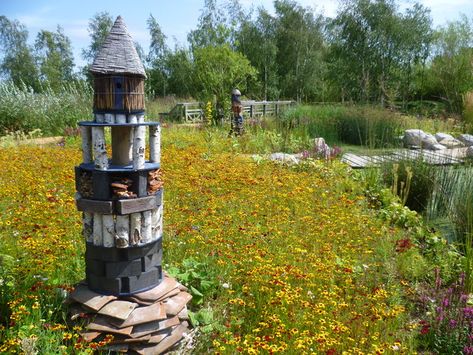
column 277, row 108
column 100, row 150
column 108, row 230
column 86, row 134
column 122, row 231
column 139, row 143
column 135, row 228
column 251, row 110
column 88, row 224
column 155, row 144
column 146, row 227
column 264, row 109
column 121, row 147
column 97, row 230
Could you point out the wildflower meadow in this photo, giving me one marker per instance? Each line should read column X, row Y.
column 279, row 259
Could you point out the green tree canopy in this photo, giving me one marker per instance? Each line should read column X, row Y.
column 17, row 61
column 55, row 58
column 219, row 69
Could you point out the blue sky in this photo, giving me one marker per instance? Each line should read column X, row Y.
column 176, row 18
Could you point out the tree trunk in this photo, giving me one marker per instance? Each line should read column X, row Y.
column 100, row 150
column 122, row 231
column 99, row 118
column 97, row 230
column 88, row 223
column 86, row 133
column 108, row 230
column 109, row 118
column 155, row 144
column 146, row 227
column 135, row 228
column 139, row 143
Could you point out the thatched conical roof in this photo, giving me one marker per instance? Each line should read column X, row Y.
column 118, row 54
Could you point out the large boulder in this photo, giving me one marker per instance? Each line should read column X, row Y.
column 413, row 137
column 437, row 146
column 451, row 143
column 284, row 158
column 418, row 138
column 439, row 136
column 466, row 139
column 469, row 152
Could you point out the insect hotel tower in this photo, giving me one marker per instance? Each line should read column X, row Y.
column 119, row 191
column 120, row 195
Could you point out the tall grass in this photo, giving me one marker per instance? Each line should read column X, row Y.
column 468, row 110
column 444, row 195
column 368, row 126
column 21, row 109
column 452, row 202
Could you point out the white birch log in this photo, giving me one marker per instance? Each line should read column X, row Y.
column 140, row 118
column 160, row 229
column 97, row 230
column 122, row 231
column 135, row 228
column 108, row 231
column 86, row 133
column 146, row 227
column 157, row 223
column 155, row 144
column 139, row 143
column 120, row 118
column 88, row 226
column 99, row 118
column 100, row 149
column 109, row 118
column 132, row 119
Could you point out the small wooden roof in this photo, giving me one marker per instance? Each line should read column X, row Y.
column 118, row 54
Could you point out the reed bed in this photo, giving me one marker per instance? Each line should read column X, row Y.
column 21, row 109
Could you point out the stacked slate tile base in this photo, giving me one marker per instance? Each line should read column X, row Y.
column 149, row 322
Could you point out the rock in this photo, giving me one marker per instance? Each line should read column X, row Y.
column 441, row 136
column 451, row 143
column 284, row 158
column 429, row 142
column 413, row 137
column 466, row 139
column 469, row 152
column 437, row 146
column 321, row 148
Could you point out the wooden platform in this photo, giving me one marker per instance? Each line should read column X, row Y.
column 439, row 157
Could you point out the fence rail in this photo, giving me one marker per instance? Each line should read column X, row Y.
column 193, row 111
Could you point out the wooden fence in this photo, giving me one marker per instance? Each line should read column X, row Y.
column 194, row 112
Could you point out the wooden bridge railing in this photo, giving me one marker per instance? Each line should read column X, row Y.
column 194, row 112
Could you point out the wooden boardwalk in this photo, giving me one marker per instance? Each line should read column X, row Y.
column 439, row 157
